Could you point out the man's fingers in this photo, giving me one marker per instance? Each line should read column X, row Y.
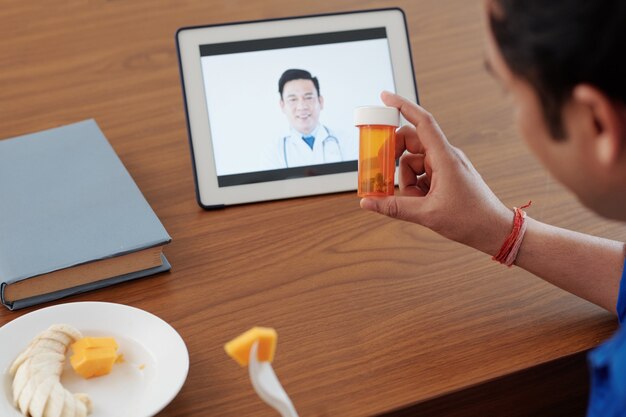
column 423, row 184
column 402, row 208
column 411, row 166
column 414, row 191
column 411, row 111
column 407, row 140
column 428, row 132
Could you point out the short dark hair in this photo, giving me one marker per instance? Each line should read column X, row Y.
column 296, row 74
column 557, row 44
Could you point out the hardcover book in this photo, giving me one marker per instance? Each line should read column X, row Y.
column 71, row 217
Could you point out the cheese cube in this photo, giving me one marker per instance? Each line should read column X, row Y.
column 94, row 362
column 94, row 342
column 239, row 348
column 94, row 356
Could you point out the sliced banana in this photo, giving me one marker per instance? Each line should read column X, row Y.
column 37, row 388
column 46, row 363
column 80, row 408
column 27, row 394
column 19, row 360
column 71, row 331
column 69, row 408
column 45, row 357
column 21, row 378
column 60, row 337
column 56, row 401
column 84, row 398
column 41, row 395
column 41, row 344
column 53, row 345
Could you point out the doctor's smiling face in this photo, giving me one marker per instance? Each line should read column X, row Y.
column 300, row 100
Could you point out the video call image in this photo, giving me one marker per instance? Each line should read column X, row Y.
column 283, row 108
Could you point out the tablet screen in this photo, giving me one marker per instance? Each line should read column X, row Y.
column 281, row 108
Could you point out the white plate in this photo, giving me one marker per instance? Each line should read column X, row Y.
column 155, row 364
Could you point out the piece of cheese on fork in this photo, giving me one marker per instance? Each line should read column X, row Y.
column 239, row 347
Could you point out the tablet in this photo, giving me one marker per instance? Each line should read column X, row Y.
column 270, row 103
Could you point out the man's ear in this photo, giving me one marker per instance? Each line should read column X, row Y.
column 607, row 120
column 282, row 104
column 321, row 98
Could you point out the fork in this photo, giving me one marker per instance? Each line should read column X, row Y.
column 267, row 386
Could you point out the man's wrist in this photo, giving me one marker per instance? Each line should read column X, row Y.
column 496, row 228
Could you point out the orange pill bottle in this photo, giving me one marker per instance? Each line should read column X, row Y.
column 377, row 147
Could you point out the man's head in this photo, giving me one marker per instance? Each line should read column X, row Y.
column 564, row 63
column 300, row 99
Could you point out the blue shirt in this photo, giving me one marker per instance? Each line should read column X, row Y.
column 608, row 368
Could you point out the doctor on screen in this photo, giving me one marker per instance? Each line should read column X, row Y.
column 308, row 141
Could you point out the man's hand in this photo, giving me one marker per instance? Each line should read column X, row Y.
column 439, row 187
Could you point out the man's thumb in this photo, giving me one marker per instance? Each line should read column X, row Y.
column 384, row 205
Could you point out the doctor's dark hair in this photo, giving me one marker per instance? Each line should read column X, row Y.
column 557, row 44
column 296, row 74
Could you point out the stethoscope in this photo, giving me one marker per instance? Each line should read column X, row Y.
column 329, row 138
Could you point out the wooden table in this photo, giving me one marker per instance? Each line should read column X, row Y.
column 373, row 315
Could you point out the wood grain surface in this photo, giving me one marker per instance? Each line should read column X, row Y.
column 372, row 314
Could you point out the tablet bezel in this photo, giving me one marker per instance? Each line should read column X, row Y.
column 188, row 41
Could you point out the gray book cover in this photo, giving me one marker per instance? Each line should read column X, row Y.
column 67, row 199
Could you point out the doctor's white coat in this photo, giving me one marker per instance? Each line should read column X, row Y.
column 292, row 151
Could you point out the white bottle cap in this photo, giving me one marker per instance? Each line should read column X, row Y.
column 376, row 115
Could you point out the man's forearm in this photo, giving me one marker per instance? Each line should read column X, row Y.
column 587, row 266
